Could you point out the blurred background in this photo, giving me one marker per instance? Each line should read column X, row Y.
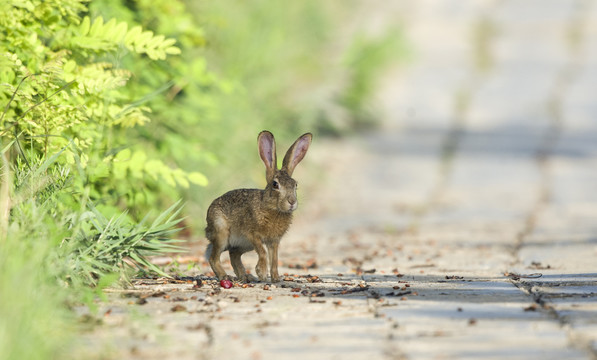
column 481, row 110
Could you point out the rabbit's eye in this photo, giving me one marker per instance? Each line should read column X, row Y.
column 275, row 185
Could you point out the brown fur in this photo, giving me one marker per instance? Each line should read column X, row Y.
column 251, row 219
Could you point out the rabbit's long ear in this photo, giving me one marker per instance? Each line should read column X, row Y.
column 296, row 153
column 267, row 152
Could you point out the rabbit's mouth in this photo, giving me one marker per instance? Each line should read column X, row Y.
column 288, row 207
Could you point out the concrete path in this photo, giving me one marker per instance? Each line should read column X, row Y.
column 465, row 228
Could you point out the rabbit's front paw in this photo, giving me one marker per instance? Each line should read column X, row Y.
column 261, row 271
column 274, row 274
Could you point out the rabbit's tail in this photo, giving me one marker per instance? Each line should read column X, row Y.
column 208, row 251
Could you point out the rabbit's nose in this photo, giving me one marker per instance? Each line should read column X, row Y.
column 292, row 201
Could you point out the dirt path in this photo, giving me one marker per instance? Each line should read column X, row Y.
column 464, row 228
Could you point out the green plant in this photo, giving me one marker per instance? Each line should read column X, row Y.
column 34, row 323
column 53, row 255
column 62, row 82
column 103, row 246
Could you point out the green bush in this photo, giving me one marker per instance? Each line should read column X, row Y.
column 64, row 82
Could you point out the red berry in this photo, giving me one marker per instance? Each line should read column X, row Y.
column 226, row 284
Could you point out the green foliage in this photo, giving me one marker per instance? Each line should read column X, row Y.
column 62, row 80
column 101, row 37
column 186, row 114
column 34, row 323
column 91, row 245
column 103, row 246
column 53, row 255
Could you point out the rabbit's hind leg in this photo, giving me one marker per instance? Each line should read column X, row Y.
column 219, row 241
column 239, row 268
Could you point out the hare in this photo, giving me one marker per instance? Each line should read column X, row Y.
column 252, row 219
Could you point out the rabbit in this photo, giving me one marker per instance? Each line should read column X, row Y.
column 252, row 219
